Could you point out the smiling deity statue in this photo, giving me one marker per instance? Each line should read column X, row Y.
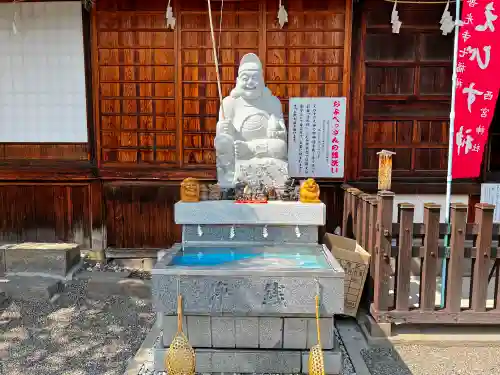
column 251, row 139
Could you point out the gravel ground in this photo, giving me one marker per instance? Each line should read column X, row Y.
column 425, row 360
column 457, row 360
column 77, row 335
column 92, row 266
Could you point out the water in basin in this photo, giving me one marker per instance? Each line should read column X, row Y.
column 306, row 257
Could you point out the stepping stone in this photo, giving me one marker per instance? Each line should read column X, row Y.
column 41, row 258
column 30, row 287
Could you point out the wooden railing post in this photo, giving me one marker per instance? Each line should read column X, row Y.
column 484, row 221
column 360, row 216
column 372, row 231
column 457, row 255
column 383, row 247
column 406, row 212
column 345, row 211
column 365, row 228
column 354, row 209
column 429, row 265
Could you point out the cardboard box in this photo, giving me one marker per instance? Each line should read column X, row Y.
column 355, row 261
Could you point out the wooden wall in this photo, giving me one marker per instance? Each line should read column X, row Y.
column 155, row 89
column 401, row 91
column 153, row 96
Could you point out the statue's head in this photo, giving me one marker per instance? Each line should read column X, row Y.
column 250, row 82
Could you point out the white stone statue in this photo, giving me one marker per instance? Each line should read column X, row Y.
column 251, row 138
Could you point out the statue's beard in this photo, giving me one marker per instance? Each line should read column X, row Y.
column 238, row 92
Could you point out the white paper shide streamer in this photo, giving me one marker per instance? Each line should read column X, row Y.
column 447, row 23
column 396, row 23
column 297, row 231
column 265, row 233
column 282, row 15
column 199, row 231
column 169, row 16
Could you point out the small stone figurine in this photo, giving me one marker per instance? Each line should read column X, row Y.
column 271, row 193
column 289, row 192
column 203, row 192
column 247, row 193
column 214, row 192
column 239, row 190
column 309, row 192
column 190, row 190
column 260, row 193
column 228, row 194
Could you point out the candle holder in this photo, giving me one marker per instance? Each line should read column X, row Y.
column 385, row 169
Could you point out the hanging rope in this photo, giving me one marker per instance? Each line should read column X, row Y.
column 220, row 29
column 216, row 60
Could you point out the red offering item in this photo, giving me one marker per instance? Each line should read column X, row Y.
column 249, row 201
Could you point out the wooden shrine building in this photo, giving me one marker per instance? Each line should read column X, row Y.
column 96, row 138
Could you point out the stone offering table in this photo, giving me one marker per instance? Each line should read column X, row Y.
column 249, row 274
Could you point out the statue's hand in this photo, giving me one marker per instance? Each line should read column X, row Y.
column 224, row 127
column 242, row 150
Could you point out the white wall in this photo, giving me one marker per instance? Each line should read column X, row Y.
column 419, row 200
column 42, row 73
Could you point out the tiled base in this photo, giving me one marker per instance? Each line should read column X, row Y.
column 263, row 361
column 250, row 332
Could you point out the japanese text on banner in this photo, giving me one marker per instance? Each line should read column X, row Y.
column 477, row 85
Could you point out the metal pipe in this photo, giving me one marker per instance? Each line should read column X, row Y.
column 450, row 150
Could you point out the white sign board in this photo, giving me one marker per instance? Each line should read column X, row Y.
column 490, row 193
column 316, row 137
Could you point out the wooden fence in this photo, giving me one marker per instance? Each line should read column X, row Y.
column 368, row 218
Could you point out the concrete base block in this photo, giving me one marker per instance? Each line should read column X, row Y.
column 250, row 332
column 116, row 283
column 29, row 288
column 254, row 361
column 48, row 258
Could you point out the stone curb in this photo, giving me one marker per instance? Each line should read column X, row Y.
column 145, row 352
column 115, row 283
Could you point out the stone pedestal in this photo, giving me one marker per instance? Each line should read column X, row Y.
column 248, row 274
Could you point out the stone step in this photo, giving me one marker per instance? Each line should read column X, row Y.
column 115, row 283
column 249, row 332
column 255, row 361
column 41, row 258
column 30, row 287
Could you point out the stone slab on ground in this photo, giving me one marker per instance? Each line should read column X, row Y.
column 48, row 258
column 115, row 283
column 30, row 288
column 255, row 361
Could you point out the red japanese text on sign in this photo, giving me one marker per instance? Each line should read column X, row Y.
column 477, row 85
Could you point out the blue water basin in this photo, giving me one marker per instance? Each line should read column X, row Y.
column 311, row 257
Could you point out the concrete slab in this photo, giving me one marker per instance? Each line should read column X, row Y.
column 354, row 342
column 51, row 258
column 254, row 361
column 435, row 336
column 30, row 288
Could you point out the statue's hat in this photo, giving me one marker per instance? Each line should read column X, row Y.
column 250, row 62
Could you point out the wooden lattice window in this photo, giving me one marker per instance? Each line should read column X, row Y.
column 407, row 90
column 158, row 101
column 136, row 69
